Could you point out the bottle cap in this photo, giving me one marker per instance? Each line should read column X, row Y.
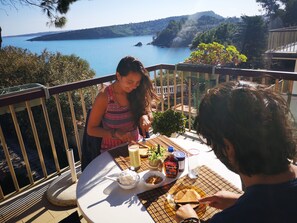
column 179, row 155
column 170, row 149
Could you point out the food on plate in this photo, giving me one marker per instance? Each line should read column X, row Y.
column 154, row 179
column 127, row 177
column 187, row 196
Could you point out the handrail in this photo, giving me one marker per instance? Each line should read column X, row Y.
column 37, row 93
column 187, row 76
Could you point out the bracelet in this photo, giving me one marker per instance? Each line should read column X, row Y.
column 190, row 220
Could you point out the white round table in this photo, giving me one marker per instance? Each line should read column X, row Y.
column 102, row 200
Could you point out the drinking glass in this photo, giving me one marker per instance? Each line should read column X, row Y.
column 134, row 156
column 193, row 163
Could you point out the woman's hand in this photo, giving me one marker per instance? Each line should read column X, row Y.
column 221, row 199
column 185, row 211
column 145, row 123
column 124, row 136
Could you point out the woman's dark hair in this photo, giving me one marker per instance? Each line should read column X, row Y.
column 142, row 97
column 257, row 122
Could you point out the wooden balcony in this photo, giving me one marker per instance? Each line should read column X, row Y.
column 28, row 166
column 282, row 43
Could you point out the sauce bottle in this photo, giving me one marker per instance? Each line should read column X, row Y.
column 171, row 164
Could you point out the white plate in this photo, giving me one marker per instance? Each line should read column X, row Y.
column 153, row 173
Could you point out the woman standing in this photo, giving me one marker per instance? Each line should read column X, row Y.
column 123, row 106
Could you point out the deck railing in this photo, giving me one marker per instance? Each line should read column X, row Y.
column 35, row 111
column 283, row 40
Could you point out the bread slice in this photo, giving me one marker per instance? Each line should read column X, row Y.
column 187, row 195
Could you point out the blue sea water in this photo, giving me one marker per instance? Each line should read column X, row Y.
column 103, row 55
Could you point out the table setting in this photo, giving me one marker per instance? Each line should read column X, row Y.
column 147, row 192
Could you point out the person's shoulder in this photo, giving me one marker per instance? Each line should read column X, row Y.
column 101, row 97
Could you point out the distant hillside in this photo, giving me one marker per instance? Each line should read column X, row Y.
column 131, row 29
column 181, row 33
column 35, row 34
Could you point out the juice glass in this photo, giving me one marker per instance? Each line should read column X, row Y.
column 134, row 156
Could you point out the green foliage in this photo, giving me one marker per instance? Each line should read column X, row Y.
column 54, row 10
column 166, row 36
column 131, row 29
column 164, row 79
column 19, row 66
column 224, row 34
column 168, row 122
column 216, row 54
column 181, row 33
column 253, row 35
column 155, row 154
column 281, row 9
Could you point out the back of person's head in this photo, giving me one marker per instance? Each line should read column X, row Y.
column 255, row 120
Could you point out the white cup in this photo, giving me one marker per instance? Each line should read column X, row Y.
column 134, row 156
column 193, row 163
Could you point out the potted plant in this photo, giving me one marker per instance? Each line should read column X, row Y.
column 168, row 122
column 155, row 156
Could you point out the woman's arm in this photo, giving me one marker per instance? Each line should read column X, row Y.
column 146, row 121
column 96, row 115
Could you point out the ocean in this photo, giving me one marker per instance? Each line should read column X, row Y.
column 103, row 55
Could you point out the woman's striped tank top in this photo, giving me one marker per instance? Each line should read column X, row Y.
column 117, row 117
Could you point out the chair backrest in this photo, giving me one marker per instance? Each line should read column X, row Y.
column 91, row 146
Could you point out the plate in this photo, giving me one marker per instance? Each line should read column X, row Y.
column 151, row 173
column 170, row 205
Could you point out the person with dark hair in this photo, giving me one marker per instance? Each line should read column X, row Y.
column 123, row 106
column 251, row 130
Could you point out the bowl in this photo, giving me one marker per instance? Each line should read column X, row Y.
column 128, row 179
column 153, row 179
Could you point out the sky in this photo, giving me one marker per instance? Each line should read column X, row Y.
column 96, row 13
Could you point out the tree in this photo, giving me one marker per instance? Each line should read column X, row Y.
column 216, row 54
column 54, row 9
column 19, row 66
column 285, row 10
column 224, row 34
column 167, row 35
column 253, row 40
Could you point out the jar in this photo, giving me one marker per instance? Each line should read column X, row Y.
column 181, row 160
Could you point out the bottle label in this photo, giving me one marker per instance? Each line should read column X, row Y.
column 171, row 169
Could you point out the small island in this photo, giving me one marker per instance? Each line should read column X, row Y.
column 138, row 44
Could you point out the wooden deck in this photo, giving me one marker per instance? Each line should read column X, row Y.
column 33, row 206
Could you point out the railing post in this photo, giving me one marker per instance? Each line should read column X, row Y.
column 21, row 142
column 168, row 90
column 162, row 93
column 175, row 88
column 70, row 159
column 36, row 138
column 74, row 123
column 8, row 160
column 50, row 134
